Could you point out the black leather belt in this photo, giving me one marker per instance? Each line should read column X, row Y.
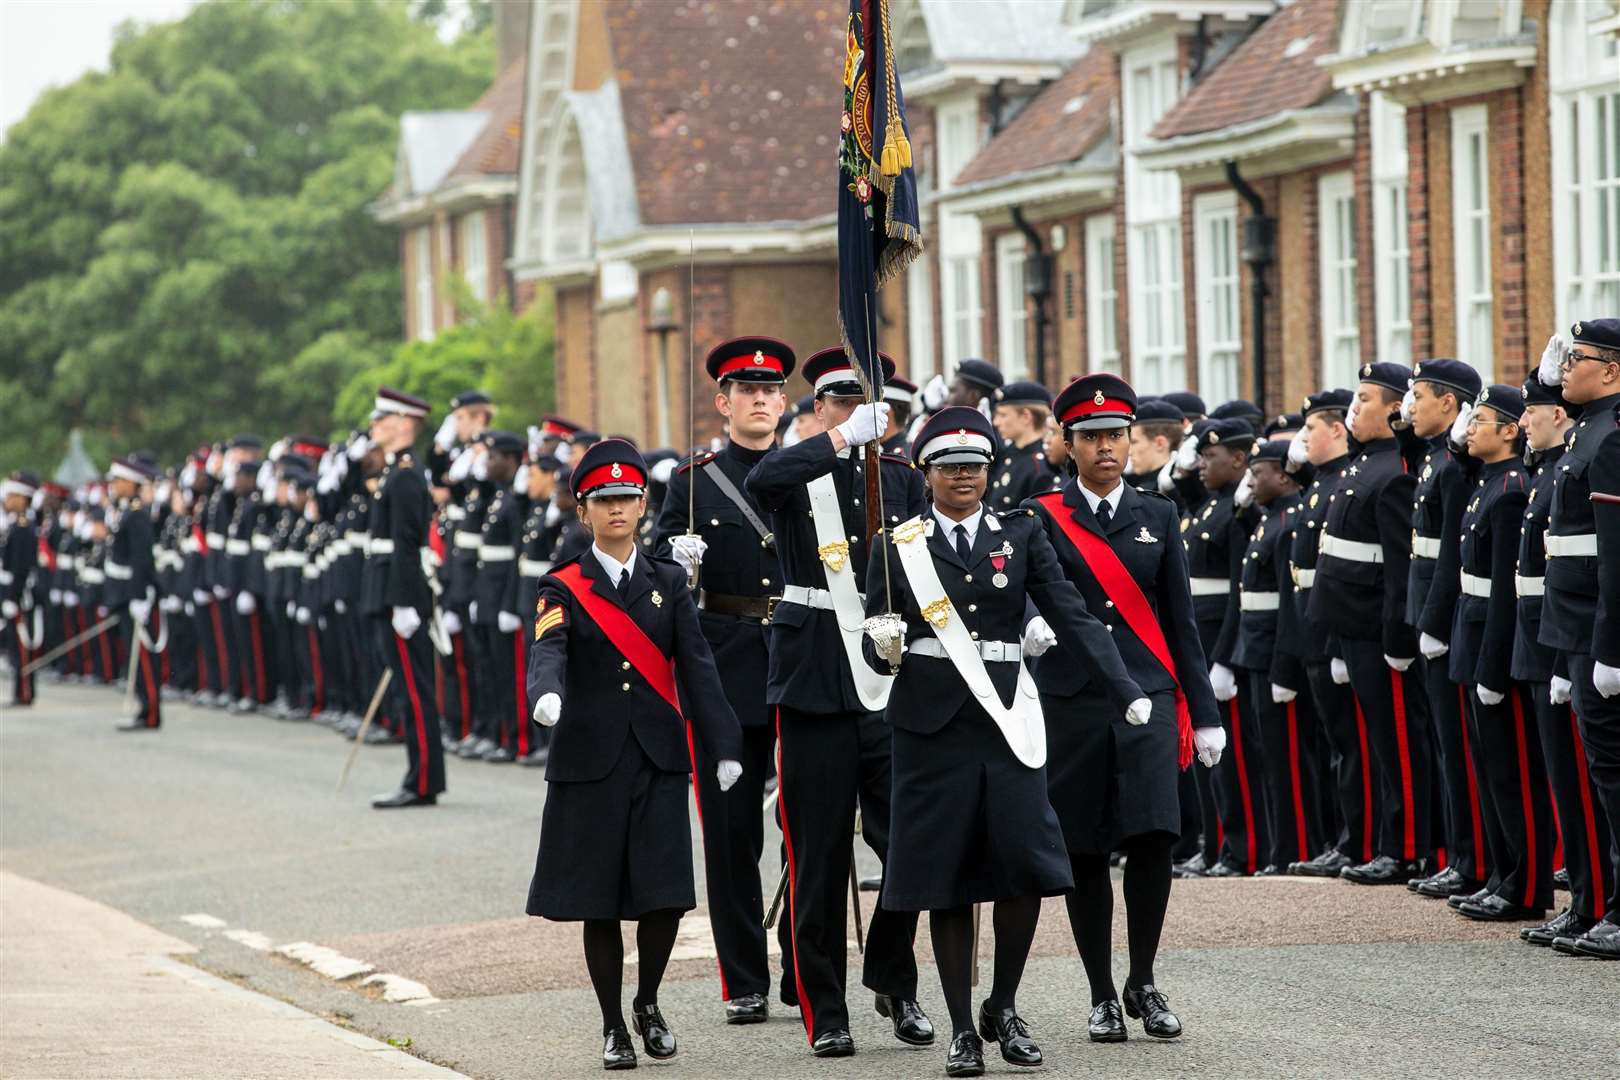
column 744, row 607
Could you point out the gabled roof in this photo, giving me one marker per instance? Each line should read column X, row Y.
column 998, row 30
column 430, row 144
column 495, row 151
column 1064, row 122
column 1273, row 71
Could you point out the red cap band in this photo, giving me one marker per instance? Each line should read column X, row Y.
column 1092, row 407
column 614, row 473
column 755, row 361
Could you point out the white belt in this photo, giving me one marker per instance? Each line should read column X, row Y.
column 1354, row 550
column 1257, row 601
column 1581, row 545
column 63, row 562
column 313, row 570
column 170, row 558
column 1210, row 586
column 275, row 560
column 1304, row 577
column 455, row 513
column 91, row 576
column 357, row 540
column 215, row 540
column 1425, row 547
column 294, row 558
column 380, row 545
column 811, row 598
column 497, row 552
column 338, row 547
column 469, row 540
column 1009, row 652
column 261, row 542
column 189, row 545
column 118, row 571
column 157, row 553
column 1529, row 586
column 1474, row 585
column 237, row 547
column 533, row 567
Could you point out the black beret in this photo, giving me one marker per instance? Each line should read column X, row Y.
column 1507, row 401
column 468, row 397
column 981, row 373
column 505, row 442
column 1291, row 421
column 1231, row 433
column 1271, row 451
column 1239, row 409
column 1024, row 392
column 1536, row 392
column 1389, row 375
column 1188, row 402
column 1451, row 374
column 1323, row 400
column 1604, row 333
column 1158, row 409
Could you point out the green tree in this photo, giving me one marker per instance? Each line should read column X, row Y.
column 185, row 243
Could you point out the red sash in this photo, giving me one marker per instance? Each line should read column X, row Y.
column 47, row 556
column 201, row 538
column 631, row 640
column 1120, row 587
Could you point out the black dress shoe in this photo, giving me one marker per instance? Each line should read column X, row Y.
column 500, row 756
column 403, row 798
column 1457, row 901
column 1270, row 870
column 1601, row 942
column 1224, row 869
column 1149, row 1006
column 1327, row 864
column 1499, row 909
column 1006, row 1027
column 1446, row 884
column 748, row 1009
column 1107, row 1023
column 966, row 1057
column 656, row 1038
column 910, row 1025
column 535, row 759
column 1565, row 924
column 1383, row 870
column 135, row 725
column 834, row 1043
column 1561, row 878
column 617, row 1051
column 1193, row 867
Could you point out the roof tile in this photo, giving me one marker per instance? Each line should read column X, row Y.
column 495, row 151
column 1064, row 121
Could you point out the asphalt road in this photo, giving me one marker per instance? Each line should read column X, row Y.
column 224, row 831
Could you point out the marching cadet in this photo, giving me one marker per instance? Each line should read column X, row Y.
column 1518, row 826
column 833, row 746
column 18, row 557
column 730, row 558
column 901, row 394
column 1113, row 779
column 1585, row 827
column 397, row 587
column 131, row 586
column 616, row 650
column 1021, row 412
column 1324, row 445
column 495, row 595
column 971, row 820
column 1442, row 394
column 1360, row 597
column 1580, row 613
column 534, row 562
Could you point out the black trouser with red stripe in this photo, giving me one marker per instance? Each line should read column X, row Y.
column 214, row 635
column 148, row 681
column 455, row 689
column 506, row 692
column 1461, row 793
column 1240, row 787
column 1290, row 777
column 255, row 679
column 1600, row 738
column 183, row 651
column 22, row 648
column 1396, row 711
column 1346, row 731
column 827, row 762
column 1519, row 821
column 411, row 661
column 311, row 665
column 1588, row 841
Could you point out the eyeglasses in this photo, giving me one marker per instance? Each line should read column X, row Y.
column 1571, row 359
column 1478, row 421
column 970, row 469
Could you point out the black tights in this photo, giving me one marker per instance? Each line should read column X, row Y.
column 604, row 959
column 952, row 930
column 1091, row 910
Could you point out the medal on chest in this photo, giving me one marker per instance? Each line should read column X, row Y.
column 998, row 560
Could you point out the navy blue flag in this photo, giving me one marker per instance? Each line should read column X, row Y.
column 879, row 231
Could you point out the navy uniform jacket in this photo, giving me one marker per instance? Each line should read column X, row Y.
column 1143, row 534
column 1311, row 635
column 496, row 585
column 929, row 691
column 1444, row 486
column 1214, row 539
column 221, row 507
column 1372, row 505
column 1533, row 661
column 129, row 565
column 260, row 544
column 1260, row 638
column 1583, row 591
column 737, row 563
column 534, row 558
column 808, row 668
column 17, row 560
column 1482, row 628
column 239, row 544
column 604, row 699
column 401, row 514
column 1018, row 474
column 466, row 519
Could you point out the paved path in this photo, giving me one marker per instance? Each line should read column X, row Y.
column 224, row 832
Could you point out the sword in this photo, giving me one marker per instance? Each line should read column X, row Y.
column 71, row 643
column 365, row 725
column 776, row 903
column 855, row 898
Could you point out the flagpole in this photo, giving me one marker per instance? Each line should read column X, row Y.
column 874, row 464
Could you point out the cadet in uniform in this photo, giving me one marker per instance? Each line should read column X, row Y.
column 495, row 593
column 18, row 556
column 132, row 585
column 901, row 394
column 614, row 645
column 1021, row 411
column 534, row 562
column 833, row 746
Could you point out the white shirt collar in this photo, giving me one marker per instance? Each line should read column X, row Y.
column 1112, row 498
column 615, row 569
column 970, row 523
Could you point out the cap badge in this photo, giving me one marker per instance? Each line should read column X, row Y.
column 1097, row 398
column 961, row 438
column 657, row 598
column 759, row 357
column 1524, row 391
column 616, row 471
column 1576, row 330
column 1307, row 404
column 1366, row 370
column 1214, row 437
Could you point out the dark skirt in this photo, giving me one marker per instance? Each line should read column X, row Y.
column 970, row 823
column 615, row 848
column 1109, row 780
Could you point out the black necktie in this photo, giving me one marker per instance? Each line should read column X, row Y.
column 964, row 550
column 624, row 584
column 1104, row 514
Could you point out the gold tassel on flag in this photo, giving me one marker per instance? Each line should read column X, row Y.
column 896, row 147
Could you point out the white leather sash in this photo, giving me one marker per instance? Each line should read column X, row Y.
column 1022, row 725
column 871, row 688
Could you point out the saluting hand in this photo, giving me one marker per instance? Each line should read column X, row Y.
column 548, row 710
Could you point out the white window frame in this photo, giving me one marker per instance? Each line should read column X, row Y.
column 1392, row 254
column 1218, row 293
column 422, row 281
column 1012, row 311
column 1509, row 14
column 1336, row 247
column 957, row 123
column 1584, row 103
column 1150, row 86
column 1471, row 237
column 923, row 362
column 618, row 282
column 1358, row 20
column 1102, row 296
column 475, row 254
column 962, row 303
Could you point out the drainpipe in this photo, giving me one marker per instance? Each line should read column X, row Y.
column 1259, row 251
column 1037, row 286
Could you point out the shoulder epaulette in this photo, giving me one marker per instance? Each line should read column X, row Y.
column 701, row 459
column 1015, row 512
column 1156, row 494
column 899, row 459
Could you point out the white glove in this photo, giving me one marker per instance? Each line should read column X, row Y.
column 304, row 616
column 548, row 710
column 1551, row 370
column 520, row 480
column 171, row 604
column 472, row 611
column 358, row 448
column 9, row 609
column 1244, row 495
column 56, row 597
column 71, row 599
column 687, row 549
column 1606, row 679
column 1350, row 415
column 292, row 609
column 140, row 610
column 564, row 452
column 1431, row 647
column 451, row 622
column 934, row 393
column 1297, row 455
column 1340, row 672
column 1281, row 695
column 445, row 437
column 1488, row 696
column 1209, row 742
column 1559, row 689
column 460, row 467
column 245, row 604
column 661, row 472
column 507, row 623
column 1167, row 477
column 1038, row 636
column 406, row 622
column 1187, row 457
column 728, row 773
column 480, row 467
column 1139, row 712
column 265, row 481
column 340, row 606
column 1398, row 663
column 866, row 423
column 1223, row 682
column 1408, row 403
column 202, row 597
column 221, row 592
column 888, row 634
column 1459, row 426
